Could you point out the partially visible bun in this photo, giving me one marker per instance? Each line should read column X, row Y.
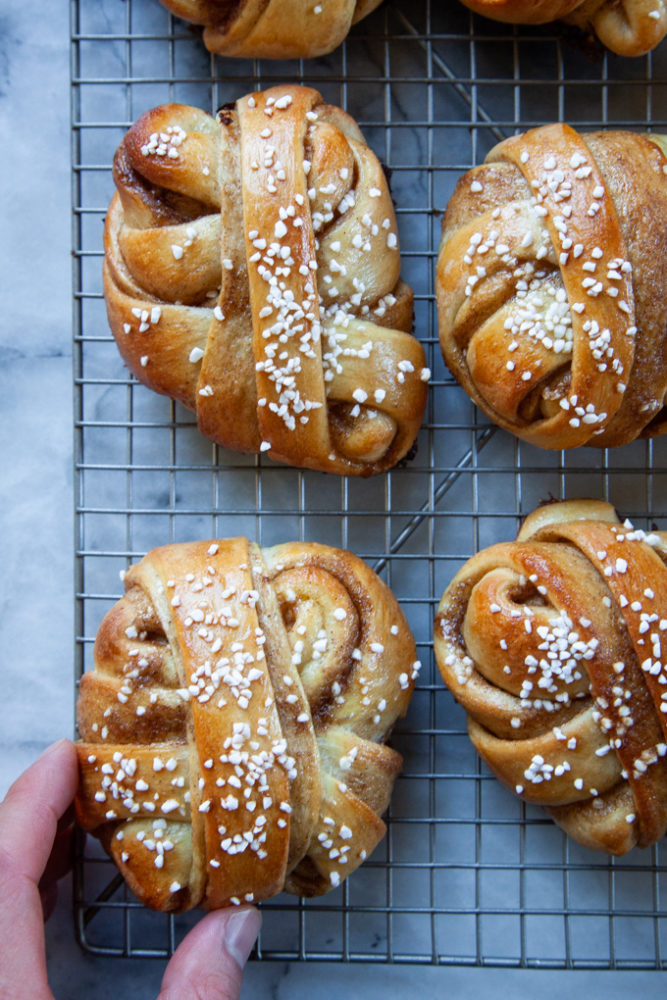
column 627, row 27
column 273, row 29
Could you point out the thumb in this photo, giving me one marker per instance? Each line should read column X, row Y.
column 208, row 964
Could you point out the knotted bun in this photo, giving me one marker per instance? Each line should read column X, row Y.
column 252, row 272
column 552, row 286
column 556, row 646
column 233, row 725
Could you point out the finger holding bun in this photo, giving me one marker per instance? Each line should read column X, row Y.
column 556, row 646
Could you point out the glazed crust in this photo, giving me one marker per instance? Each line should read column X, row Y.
column 252, row 272
column 550, row 286
column 555, row 645
column 268, row 29
column 233, row 725
column 627, row 27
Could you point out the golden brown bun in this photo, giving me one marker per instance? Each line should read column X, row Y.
column 273, row 29
column 252, row 272
column 551, row 286
column 233, row 725
column 627, row 27
column 556, row 646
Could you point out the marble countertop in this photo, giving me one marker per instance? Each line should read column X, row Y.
column 36, row 625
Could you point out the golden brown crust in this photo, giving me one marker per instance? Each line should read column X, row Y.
column 252, row 272
column 556, row 646
column 273, row 29
column 550, row 287
column 233, row 725
column 627, row 27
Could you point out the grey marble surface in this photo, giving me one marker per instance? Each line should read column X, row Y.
column 36, row 625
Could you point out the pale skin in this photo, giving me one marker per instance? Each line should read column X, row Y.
column 35, row 851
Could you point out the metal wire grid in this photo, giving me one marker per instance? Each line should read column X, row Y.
column 467, row 874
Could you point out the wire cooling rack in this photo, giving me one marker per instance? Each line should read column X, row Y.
column 467, row 874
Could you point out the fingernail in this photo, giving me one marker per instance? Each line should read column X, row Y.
column 241, row 932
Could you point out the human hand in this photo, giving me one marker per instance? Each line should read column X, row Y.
column 35, row 851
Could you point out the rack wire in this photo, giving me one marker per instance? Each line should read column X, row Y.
column 467, row 874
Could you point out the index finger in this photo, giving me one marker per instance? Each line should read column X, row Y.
column 35, row 802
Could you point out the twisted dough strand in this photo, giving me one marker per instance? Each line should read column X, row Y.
column 233, row 725
column 555, row 646
column 252, row 272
